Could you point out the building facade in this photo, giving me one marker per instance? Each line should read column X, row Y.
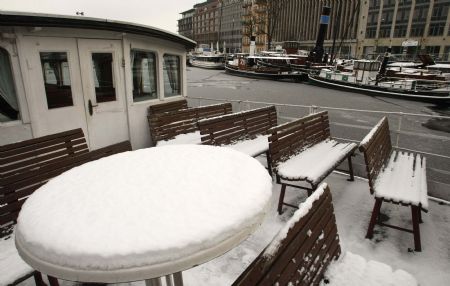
column 185, row 24
column 408, row 26
column 206, row 23
column 299, row 21
column 231, row 26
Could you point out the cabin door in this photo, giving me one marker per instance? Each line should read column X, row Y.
column 102, row 77
column 55, row 99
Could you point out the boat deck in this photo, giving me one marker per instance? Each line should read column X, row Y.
column 353, row 204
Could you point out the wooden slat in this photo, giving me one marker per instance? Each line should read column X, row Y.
column 168, row 106
column 167, row 125
column 313, row 236
column 291, row 138
column 377, row 151
column 29, row 164
column 239, row 126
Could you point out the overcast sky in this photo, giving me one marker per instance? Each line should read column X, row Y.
column 157, row 13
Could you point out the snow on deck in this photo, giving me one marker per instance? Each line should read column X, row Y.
column 11, row 265
column 352, row 269
column 352, row 205
column 314, row 161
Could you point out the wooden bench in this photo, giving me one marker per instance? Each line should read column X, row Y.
column 29, row 164
column 395, row 177
column 302, row 150
column 244, row 131
column 168, row 106
column 306, row 251
column 303, row 248
column 166, row 126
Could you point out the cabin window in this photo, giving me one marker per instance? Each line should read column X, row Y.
column 143, row 66
column 172, row 75
column 102, row 64
column 9, row 108
column 55, row 69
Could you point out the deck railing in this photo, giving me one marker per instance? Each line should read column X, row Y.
column 405, row 128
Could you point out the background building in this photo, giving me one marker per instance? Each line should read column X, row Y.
column 408, row 26
column 185, row 24
column 358, row 28
column 231, row 25
column 206, row 23
column 299, row 21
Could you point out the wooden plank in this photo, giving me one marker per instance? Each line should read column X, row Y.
column 313, row 236
column 168, row 106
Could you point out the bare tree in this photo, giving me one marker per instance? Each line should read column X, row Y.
column 273, row 10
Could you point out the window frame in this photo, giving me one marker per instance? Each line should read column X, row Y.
column 22, row 117
column 181, row 75
column 157, row 69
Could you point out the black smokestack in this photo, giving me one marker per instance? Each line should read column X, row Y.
column 317, row 52
column 382, row 71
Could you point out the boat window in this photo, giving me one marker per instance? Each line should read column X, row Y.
column 172, row 75
column 102, row 64
column 9, row 108
column 55, row 69
column 143, row 65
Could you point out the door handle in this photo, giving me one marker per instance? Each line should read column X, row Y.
column 91, row 107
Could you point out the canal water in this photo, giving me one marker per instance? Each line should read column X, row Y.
column 355, row 115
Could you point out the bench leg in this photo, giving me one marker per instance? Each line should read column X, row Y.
column 415, row 211
column 278, row 179
column 38, row 279
column 420, row 216
column 374, row 217
column 281, row 199
column 53, row 281
column 269, row 165
column 350, row 168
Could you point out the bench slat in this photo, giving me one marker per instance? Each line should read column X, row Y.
column 314, row 235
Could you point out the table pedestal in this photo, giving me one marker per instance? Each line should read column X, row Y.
column 175, row 279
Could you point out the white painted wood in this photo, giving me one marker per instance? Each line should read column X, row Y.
column 108, row 124
column 44, row 120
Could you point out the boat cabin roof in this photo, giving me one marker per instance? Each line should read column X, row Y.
column 8, row 18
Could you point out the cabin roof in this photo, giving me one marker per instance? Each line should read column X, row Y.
column 8, row 18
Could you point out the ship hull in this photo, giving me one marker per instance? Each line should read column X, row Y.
column 436, row 97
column 288, row 76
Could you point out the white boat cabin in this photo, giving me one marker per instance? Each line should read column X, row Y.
column 364, row 71
column 62, row 72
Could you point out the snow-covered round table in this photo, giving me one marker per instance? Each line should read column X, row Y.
column 143, row 214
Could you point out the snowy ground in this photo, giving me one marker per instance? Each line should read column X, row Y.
column 353, row 205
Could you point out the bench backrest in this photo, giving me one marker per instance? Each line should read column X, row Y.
column 291, row 138
column 302, row 250
column 168, row 106
column 167, row 125
column 27, row 165
column 377, row 149
column 233, row 127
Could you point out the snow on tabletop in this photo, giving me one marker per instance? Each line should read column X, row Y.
column 352, row 269
column 314, row 161
column 402, row 181
column 144, row 207
column 369, row 135
column 12, row 266
column 252, row 147
column 303, row 210
column 188, row 138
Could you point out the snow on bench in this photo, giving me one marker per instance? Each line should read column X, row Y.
column 306, row 252
column 245, row 131
column 394, row 176
column 302, row 150
column 180, row 126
